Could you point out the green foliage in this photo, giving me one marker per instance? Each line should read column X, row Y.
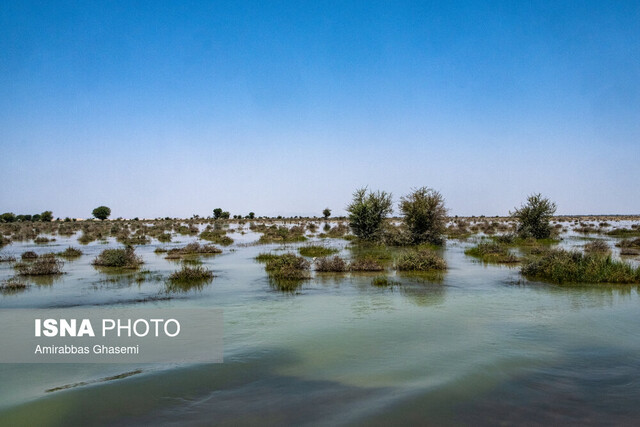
column 44, row 265
column 331, row 264
column 121, row 258
column 492, row 252
column 383, row 281
column 251, row 215
column 216, row 236
column 101, row 212
column 326, row 213
column 561, row 266
column 7, row 217
column 534, row 217
column 367, row 213
column 316, row 251
column 191, row 274
column 420, row 260
column 288, row 266
column 70, row 253
column 46, row 216
column 217, row 213
column 425, row 216
column 366, row 263
column 282, row 234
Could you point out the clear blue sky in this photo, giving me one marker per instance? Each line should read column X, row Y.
column 176, row 108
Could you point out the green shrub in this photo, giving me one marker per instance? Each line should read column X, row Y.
column 288, row 266
column 193, row 249
column 266, row 256
column 316, row 251
column 492, row 252
column 624, row 232
column 366, row 263
column 597, row 247
column 42, row 240
column 281, row 234
column 425, row 216
column 29, row 255
column 331, row 264
column 216, row 236
column 534, row 217
column 190, row 274
column 46, row 265
column 367, row 213
column 121, row 258
column 70, row 253
column 561, row 266
column 420, row 260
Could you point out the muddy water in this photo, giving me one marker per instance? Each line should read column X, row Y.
column 480, row 345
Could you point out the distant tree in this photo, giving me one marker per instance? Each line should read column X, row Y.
column 225, row 215
column 424, row 215
column 7, row 217
column 534, row 217
column 251, row 215
column 46, row 216
column 367, row 213
column 217, row 213
column 35, row 218
column 101, row 212
column 326, row 213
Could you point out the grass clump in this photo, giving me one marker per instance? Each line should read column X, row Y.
column 12, row 286
column 492, row 252
column 331, row 264
column 629, row 243
column 366, row 263
column 7, row 258
column 266, row 256
column 46, row 265
column 383, row 281
column 70, row 253
column 288, row 266
column 420, row 260
column 190, row 274
column 216, row 236
column 597, row 247
column 29, row 255
column 193, row 249
column 42, row 240
column 561, row 266
column 316, row 251
column 121, row 258
column 282, row 234
column 624, row 232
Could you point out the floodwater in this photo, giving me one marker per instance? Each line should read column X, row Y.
column 478, row 346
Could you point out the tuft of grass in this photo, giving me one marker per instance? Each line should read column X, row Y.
column 191, row 274
column 624, row 232
column 420, row 260
column 193, row 249
column 597, row 247
column 46, row 265
column 121, row 258
column 383, row 281
column 288, row 267
column 216, row 236
column 29, row 255
column 282, row 234
column 42, row 240
column 12, row 286
column 629, row 243
column 492, row 252
column 366, row 263
column 316, row 251
column 164, row 237
column 331, row 264
column 70, row 253
column 561, row 266
column 266, row 256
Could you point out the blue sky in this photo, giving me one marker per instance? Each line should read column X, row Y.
column 175, row 108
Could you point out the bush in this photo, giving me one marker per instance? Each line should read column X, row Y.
column 425, row 216
column 191, row 274
column 12, row 286
column 316, row 251
column 367, row 213
column 122, row 258
column 326, row 213
column 43, row 266
column 331, row 264
column 29, row 255
column 534, row 217
column 492, row 252
column 70, row 253
column 288, row 266
column 218, row 237
column 561, row 266
column 597, row 247
column 101, row 212
column 282, row 234
column 41, row 240
column 420, row 260
column 366, row 263
column 193, row 249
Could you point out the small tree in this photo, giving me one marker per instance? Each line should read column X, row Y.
column 101, row 212
column 367, row 213
column 225, row 215
column 46, row 216
column 251, row 215
column 326, row 213
column 424, row 215
column 217, row 212
column 533, row 217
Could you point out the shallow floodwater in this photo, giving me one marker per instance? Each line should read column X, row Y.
column 479, row 346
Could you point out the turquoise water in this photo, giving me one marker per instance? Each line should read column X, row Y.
column 480, row 346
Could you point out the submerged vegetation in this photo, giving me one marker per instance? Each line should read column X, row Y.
column 561, row 266
column 120, row 258
column 316, row 251
column 189, row 277
column 70, row 253
column 333, row 264
column 288, row 267
column 492, row 252
column 45, row 265
column 420, row 260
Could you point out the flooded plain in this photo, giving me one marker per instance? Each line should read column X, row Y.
column 477, row 345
